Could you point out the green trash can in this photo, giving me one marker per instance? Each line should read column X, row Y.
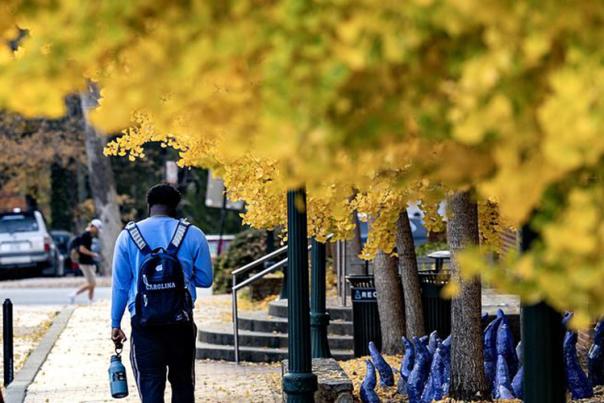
column 365, row 315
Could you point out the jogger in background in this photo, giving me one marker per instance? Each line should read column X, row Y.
column 86, row 259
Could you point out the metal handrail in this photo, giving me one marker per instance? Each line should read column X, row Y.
column 236, row 287
column 234, row 296
column 258, row 276
column 257, row 262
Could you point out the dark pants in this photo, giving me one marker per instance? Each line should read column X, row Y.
column 155, row 349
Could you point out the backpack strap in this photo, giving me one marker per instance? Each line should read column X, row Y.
column 179, row 235
column 137, row 237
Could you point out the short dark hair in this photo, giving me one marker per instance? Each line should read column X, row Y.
column 164, row 194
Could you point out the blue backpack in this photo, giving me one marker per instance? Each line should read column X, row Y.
column 162, row 295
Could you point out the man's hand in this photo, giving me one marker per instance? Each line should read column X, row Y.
column 118, row 337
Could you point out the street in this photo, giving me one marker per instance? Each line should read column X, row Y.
column 48, row 296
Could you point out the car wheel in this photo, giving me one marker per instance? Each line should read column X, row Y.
column 42, row 270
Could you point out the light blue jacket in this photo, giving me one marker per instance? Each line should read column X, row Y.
column 194, row 256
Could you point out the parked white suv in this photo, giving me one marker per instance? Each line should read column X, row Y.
column 26, row 243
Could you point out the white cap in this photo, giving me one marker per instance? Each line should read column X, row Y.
column 97, row 223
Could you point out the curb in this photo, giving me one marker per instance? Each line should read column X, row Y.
column 15, row 392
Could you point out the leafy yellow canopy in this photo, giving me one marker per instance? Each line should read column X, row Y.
column 369, row 103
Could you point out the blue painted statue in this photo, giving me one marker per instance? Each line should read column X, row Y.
column 595, row 357
column 594, row 365
column 517, row 381
column 433, row 342
column 429, row 387
column 406, row 366
column 503, row 387
column 519, row 352
column 577, row 381
column 368, row 394
column 490, row 349
column 599, row 333
column 435, row 387
column 428, row 392
column 446, row 345
column 419, row 374
column 566, row 318
column 505, row 345
column 384, row 369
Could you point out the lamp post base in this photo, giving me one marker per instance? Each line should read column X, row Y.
column 318, row 335
column 300, row 387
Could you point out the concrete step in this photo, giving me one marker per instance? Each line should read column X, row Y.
column 279, row 310
column 262, row 322
column 223, row 335
column 206, row 351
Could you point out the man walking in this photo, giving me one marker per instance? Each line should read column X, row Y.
column 86, row 259
column 157, row 264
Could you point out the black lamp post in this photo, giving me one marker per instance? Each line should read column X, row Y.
column 319, row 318
column 299, row 383
column 542, row 335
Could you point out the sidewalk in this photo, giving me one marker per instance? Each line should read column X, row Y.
column 30, row 323
column 76, row 368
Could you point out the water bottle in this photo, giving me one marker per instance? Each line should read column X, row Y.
column 117, row 376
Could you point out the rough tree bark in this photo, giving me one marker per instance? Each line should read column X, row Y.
column 468, row 381
column 355, row 265
column 63, row 199
column 102, row 183
column 407, row 261
column 390, row 302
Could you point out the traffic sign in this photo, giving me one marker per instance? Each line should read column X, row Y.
column 215, row 195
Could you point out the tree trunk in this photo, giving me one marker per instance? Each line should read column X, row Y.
column 82, row 194
column 356, row 240
column 407, row 261
column 468, row 381
column 63, row 199
column 391, row 305
column 102, row 184
column 353, row 247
